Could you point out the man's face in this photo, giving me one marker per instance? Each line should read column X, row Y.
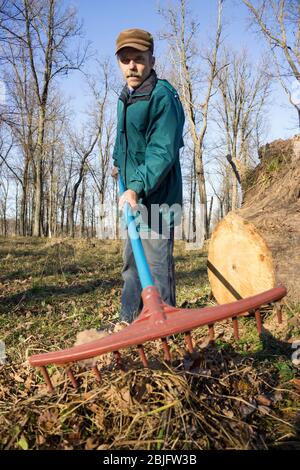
column 135, row 65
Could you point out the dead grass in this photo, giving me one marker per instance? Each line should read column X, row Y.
column 242, row 395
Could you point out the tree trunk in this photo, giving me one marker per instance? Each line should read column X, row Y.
column 234, row 193
column 257, row 247
column 101, row 229
column 203, row 199
column 194, row 189
column 82, row 209
column 209, row 213
column 24, row 228
column 50, row 207
column 38, row 190
column 63, row 210
column 17, row 210
column 192, row 211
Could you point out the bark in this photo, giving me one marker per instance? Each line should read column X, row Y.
column 82, row 207
column 257, row 247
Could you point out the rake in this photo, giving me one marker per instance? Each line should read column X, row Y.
column 157, row 320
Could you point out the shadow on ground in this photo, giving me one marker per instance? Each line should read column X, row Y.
column 42, row 292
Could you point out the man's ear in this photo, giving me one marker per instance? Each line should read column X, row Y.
column 152, row 61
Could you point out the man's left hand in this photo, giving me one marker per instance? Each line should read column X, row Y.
column 129, row 196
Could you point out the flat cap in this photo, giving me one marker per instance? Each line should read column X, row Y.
column 135, row 38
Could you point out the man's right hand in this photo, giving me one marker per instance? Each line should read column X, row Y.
column 115, row 172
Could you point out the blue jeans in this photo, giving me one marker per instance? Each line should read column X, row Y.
column 159, row 254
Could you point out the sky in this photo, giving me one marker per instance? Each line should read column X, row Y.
column 103, row 20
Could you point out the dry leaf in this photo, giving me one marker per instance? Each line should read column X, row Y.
column 103, row 447
column 120, row 326
column 228, row 413
column 263, row 400
column 40, row 439
column 247, row 410
column 17, row 378
column 149, row 388
column 28, row 382
column 99, row 415
column 296, row 383
column 67, row 445
column 88, row 395
column 121, row 398
column 91, row 443
column 49, row 419
column 87, row 336
column 264, row 409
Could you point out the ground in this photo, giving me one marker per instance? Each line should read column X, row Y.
column 230, row 395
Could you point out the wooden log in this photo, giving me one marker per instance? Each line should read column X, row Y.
column 258, row 246
column 240, row 263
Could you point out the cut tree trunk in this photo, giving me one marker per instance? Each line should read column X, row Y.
column 258, row 246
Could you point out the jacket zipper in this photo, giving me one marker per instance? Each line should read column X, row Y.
column 126, row 104
column 126, row 143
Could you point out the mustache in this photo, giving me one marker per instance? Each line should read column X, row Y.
column 133, row 74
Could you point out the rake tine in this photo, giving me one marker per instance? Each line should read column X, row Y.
column 211, row 333
column 118, row 358
column 188, row 341
column 167, row 355
column 145, row 329
column 97, row 373
column 258, row 321
column 279, row 313
column 46, row 378
column 235, row 328
column 142, row 355
column 71, row 377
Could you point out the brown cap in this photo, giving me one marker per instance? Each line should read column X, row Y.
column 135, row 38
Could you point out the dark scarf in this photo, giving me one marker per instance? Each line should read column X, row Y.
column 142, row 92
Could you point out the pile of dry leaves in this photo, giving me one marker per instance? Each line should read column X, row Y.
column 213, row 399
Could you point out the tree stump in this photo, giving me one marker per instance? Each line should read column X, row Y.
column 258, row 246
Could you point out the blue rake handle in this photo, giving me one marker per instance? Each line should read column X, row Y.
column 143, row 269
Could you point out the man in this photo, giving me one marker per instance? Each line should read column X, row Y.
column 146, row 153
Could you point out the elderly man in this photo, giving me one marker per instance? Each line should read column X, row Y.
column 146, row 153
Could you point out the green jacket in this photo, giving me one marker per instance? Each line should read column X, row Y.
column 149, row 136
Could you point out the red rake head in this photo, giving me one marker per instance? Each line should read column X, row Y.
column 158, row 321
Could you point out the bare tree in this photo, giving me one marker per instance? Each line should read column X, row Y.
column 4, row 191
column 84, row 145
column 8, row 169
column 83, row 206
column 65, row 179
column 244, row 91
column 182, row 38
column 21, row 118
column 43, row 32
column 101, row 87
column 83, row 150
column 279, row 22
column 221, row 186
column 54, row 156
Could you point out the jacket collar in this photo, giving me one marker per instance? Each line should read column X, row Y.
column 145, row 89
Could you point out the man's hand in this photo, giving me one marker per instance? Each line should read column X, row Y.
column 129, row 196
column 115, row 172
